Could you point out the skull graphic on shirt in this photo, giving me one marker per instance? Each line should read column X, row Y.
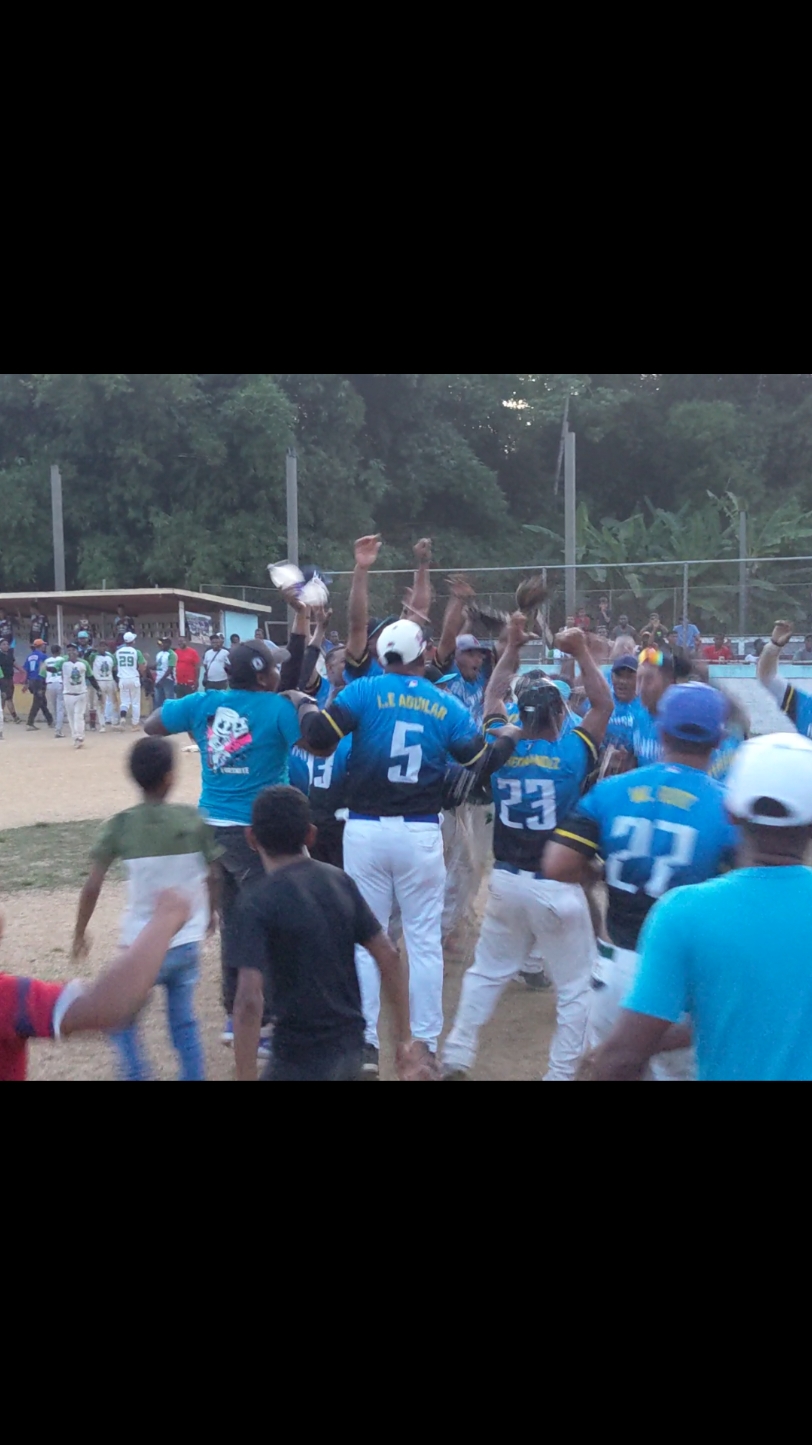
column 228, row 734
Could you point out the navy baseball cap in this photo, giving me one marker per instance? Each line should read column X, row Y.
column 375, row 625
column 627, row 661
column 693, row 713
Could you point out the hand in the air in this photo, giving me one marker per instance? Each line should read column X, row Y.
column 460, row 587
column 422, row 550
column 782, row 632
column 366, row 551
column 518, row 636
column 572, row 641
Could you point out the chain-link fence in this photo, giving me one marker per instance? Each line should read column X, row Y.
column 717, row 602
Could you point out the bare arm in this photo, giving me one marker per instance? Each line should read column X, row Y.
column 154, row 727
column 412, row 1059
column 624, row 1056
column 767, row 671
column 366, row 555
column 596, row 687
column 506, row 667
column 112, row 1001
column 88, row 898
column 248, row 1007
column 213, row 886
column 417, row 604
column 461, row 593
column 564, row 865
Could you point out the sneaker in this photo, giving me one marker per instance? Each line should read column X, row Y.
column 371, row 1064
column 227, row 1036
column 536, row 982
column 31, row 728
column 265, row 1050
column 16, row 719
column 455, row 1076
column 59, row 735
column 78, row 743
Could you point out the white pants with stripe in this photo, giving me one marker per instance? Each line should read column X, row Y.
column 528, row 917
column 395, row 860
column 107, row 706
column 612, row 977
column 467, row 841
column 130, row 700
column 75, row 713
column 56, row 705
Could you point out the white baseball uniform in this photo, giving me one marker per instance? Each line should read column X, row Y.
column 53, row 691
column 74, row 694
column 103, row 668
column 128, row 661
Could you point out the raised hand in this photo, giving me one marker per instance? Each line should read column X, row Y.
column 782, row 632
column 460, row 587
column 518, row 636
column 572, row 641
column 366, row 551
column 422, row 551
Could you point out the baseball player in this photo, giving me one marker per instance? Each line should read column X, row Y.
column 104, row 675
column 131, row 666
column 36, row 685
column 403, row 729
column 527, row 915
column 75, row 673
column 797, row 705
column 658, row 828
column 51, row 673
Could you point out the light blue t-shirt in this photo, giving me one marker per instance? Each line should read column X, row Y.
column 647, row 744
column 687, row 636
column 245, row 740
column 734, row 954
column 470, row 694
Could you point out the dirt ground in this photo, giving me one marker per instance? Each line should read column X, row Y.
column 48, row 782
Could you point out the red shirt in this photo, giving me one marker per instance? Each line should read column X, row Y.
column 188, row 668
column 26, row 1012
column 711, row 653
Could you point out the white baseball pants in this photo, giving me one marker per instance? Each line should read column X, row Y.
column 107, row 706
column 612, row 977
column 395, row 860
column 528, row 916
column 130, row 699
column 467, row 841
column 74, row 703
column 56, row 705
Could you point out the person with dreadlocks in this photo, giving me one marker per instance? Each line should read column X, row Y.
column 526, row 915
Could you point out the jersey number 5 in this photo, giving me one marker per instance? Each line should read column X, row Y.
column 410, row 757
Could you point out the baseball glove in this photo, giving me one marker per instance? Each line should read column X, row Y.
column 531, row 594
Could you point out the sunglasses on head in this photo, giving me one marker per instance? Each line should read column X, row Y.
column 652, row 655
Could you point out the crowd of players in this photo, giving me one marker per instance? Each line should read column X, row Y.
column 647, row 860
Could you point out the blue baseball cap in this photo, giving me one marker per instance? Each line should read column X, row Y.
column 627, row 661
column 692, row 712
column 563, row 687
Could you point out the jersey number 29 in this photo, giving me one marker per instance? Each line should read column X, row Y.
column 410, row 756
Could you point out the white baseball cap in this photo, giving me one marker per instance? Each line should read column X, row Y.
column 772, row 769
column 129, row 637
column 402, row 639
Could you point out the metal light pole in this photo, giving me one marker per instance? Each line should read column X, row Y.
column 293, row 515
column 59, row 543
column 743, row 575
column 570, row 578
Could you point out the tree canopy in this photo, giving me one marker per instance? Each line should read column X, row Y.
column 179, row 479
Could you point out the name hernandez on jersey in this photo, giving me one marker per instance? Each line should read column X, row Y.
column 539, row 784
column 660, row 828
column 404, row 728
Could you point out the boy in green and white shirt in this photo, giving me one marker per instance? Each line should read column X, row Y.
column 159, row 841
column 131, row 665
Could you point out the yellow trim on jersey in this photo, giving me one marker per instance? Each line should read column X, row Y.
column 789, row 698
column 587, row 842
column 358, row 661
column 585, row 738
column 476, row 759
column 335, row 725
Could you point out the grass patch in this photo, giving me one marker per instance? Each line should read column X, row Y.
column 49, row 855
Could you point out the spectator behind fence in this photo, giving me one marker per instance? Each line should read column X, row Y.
column 624, row 628
column 755, row 652
column 604, row 617
column 717, row 651
column 804, row 654
column 688, row 635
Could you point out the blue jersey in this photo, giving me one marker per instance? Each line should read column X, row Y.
column 657, row 829
column 33, row 663
column 540, row 784
column 620, row 727
column 798, row 708
column 646, row 744
column 404, row 728
column 322, row 780
column 245, row 740
column 369, row 666
column 470, row 694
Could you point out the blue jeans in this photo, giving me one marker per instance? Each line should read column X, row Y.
column 179, row 975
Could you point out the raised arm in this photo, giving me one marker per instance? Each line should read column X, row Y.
column 507, row 666
column 768, row 662
column 573, row 642
column 366, row 555
column 113, row 999
column 417, row 602
column 461, row 594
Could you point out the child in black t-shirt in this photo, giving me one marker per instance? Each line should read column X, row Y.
column 299, row 927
